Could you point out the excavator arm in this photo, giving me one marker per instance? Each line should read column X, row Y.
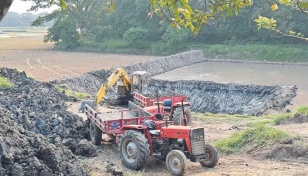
column 112, row 79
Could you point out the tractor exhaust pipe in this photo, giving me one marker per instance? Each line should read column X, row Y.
column 184, row 116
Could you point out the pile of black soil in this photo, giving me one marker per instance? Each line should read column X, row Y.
column 37, row 135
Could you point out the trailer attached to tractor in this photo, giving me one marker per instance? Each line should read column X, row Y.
column 140, row 136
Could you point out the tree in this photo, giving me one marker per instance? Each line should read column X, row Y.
column 175, row 37
column 4, row 7
column 271, row 24
column 136, row 36
column 179, row 13
column 64, row 33
column 80, row 10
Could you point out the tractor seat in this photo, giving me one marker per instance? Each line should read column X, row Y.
column 154, row 132
column 150, row 124
column 167, row 105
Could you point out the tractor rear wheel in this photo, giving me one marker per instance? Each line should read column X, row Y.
column 134, row 149
column 95, row 134
column 178, row 116
column 176, row 162
column 212, row 152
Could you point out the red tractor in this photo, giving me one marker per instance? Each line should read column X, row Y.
column 140, row 136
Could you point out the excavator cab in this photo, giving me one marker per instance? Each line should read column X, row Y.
column 140, row 79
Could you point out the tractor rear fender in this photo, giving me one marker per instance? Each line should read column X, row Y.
column 180, row 104
column 143, row 130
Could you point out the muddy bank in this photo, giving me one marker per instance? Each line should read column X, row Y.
column 227, row 98
column 37, row 135
column 204, row 96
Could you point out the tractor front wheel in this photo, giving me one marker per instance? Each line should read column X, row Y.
column 178, row 118
column 176, row 162
column 213, row 157
column 134, row 149
column 95, row 134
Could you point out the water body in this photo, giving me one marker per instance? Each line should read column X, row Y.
column 246, row 73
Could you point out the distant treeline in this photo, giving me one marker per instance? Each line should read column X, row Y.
column 13, row 19
column 91, row 22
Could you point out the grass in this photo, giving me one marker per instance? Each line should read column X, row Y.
column 302, row 110
column 256, row 52
column 260, row 52
column 71, row 93
column 4, row 82
column 257, row 136
column 209, row 118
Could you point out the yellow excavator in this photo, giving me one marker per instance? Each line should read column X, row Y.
column 127, row 87
column 124, row 90
column 112, row 79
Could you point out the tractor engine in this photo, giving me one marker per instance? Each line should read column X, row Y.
column 162, row 147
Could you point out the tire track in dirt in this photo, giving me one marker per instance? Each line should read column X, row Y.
column 27, row 59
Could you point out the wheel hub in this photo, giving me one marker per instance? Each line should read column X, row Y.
column 175, row 163
column 131, row 151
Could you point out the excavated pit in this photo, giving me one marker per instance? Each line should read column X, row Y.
column 204, row 96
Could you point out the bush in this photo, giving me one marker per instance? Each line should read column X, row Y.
column 64, row 33
column 258, row 136
column 4, row 82
column 302, row 110
column 280, row 118
column 136, row 37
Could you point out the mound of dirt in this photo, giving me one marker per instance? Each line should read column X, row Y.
column 35, row 128
column 297, row 118
column 282, row 152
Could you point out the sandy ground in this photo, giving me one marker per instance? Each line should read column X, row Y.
column 28, row 53
column 43, row 64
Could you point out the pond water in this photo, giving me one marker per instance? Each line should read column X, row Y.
column 246, row 73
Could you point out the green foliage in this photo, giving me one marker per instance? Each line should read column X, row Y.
column 264, row 22
column 95, row 22
column 270, row 24
column 258, row 136
column 4, row 82
column 256, row 52
column 181, row 13
column 107, row 45
column 64, row 33
column 102, row 33
column 71, row 93
column 176, row 37
column 280, row 118
column 136, row 37
column 302, row 110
